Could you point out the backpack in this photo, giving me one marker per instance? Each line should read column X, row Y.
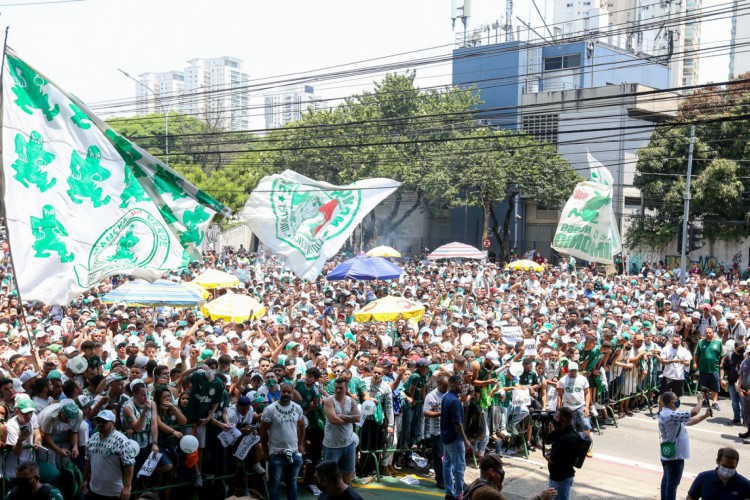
column 474, row 421
column 70, row 482
column 582, row 446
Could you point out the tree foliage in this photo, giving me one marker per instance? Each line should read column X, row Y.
column 720, row 174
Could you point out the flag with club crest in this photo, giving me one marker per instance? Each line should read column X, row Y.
column 82, row 202
column 308, row 221
column 588, row 227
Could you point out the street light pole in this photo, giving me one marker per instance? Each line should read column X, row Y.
column 166, row 121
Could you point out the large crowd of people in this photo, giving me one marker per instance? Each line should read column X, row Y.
column 106, row 400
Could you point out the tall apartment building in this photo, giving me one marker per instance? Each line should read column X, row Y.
column 640, row 27
column 213, row 90
column 739, row 55
column 157, row 89
column 288, row 105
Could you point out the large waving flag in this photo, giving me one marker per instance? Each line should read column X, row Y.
column 587, row 227
column 82, row 202
column 308, row 221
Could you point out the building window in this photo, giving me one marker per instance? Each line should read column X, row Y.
column 632, row 201
column 543, row 127
column 562, row 62
column 545, row 212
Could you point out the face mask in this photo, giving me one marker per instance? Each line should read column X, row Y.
column 25, row 484
column 271, row 383
column 677, row 403
column 210, row 374
column 726, row 472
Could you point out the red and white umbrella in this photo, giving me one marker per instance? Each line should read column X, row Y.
column 456, row 250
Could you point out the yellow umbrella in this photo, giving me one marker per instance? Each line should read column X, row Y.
column 384, row 251
column 390, row 309
column 213, row 278
column 233, row 307
column 525, row 264
column 202, row 292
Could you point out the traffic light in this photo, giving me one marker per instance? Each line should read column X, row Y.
column 695, row 235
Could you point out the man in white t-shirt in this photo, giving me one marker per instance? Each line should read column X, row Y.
column 22, row 433
column 111, row 458
column 282, row 435
column 676, row 360
column 672, row 430
column 573, row 392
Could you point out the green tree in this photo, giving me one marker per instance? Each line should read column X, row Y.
column 721, row 176
column 499, row 166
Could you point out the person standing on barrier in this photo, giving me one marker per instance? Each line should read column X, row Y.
column 432, row 405
column 455, row 442
column 282, row 436
column 675, row 445
column 414, row 393
column 308, row 390
column 338, row 439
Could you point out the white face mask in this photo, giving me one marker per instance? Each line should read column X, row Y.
column 210, row 374
column 726, row 472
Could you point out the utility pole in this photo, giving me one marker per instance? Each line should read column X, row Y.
column 686, row 212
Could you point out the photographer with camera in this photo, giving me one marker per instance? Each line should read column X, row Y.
column 489, row 486
column 675, row 446
column 563, row 452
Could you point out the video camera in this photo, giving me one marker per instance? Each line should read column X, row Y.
column 543, row 416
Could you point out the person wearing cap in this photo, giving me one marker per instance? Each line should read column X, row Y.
column 59, row 424
column 378, row 428
column 573, row 393
column 489, row 485
column 22, row 435
column 307, row 394
column 412, row 419
column 111, row 459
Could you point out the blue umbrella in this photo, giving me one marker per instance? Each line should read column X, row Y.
column 159, row 293
column 365, row 268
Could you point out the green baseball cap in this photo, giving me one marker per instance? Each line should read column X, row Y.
column 69, row 410
column 25, row 405
column 207, row 353
column 54, row 374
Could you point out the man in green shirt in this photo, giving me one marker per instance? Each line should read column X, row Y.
column 412, row 418
column 307, row 394
column 707, row 360
column 206, row 394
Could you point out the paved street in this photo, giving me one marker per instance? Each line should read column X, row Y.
column 625, row 463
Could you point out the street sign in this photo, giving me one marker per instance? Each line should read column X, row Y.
column 486, row 243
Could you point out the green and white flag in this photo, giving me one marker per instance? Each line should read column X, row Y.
column 82, row 202
column 308, row 221
column 601, row 175
column 585, row 227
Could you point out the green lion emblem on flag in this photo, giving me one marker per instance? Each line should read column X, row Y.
column 307, row 217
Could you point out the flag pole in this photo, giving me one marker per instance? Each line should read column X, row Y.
column 33, row 355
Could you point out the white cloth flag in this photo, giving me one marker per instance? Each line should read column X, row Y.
column 600, row 174
column 308, row 221
column 82, row 202
column 584, row 230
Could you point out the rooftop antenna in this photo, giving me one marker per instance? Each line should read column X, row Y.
column 542, row 17
column 508, row 21
column 462, row 12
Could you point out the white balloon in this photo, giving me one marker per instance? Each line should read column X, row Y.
column 368, row 408
column 467, row 339
column 516, row 369
column 188, row 444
